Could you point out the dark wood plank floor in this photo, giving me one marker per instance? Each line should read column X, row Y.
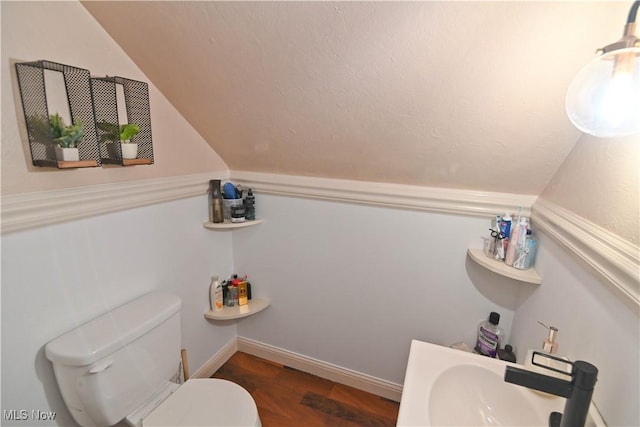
column 288, row 397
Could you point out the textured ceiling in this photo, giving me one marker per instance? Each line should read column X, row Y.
column 466, row 95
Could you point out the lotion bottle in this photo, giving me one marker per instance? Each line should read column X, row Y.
column 215, row 293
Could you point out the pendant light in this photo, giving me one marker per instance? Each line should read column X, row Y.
column 604, row 98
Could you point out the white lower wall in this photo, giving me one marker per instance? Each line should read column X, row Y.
column 351, row 285
column 56, row 277
column 595, row 325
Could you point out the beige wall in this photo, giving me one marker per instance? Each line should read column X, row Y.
column 600, row 181
column 65, row 32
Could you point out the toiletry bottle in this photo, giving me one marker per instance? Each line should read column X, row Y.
column 498, row 249
column 215, row 293
column 250, row 206
column 215, row 201
column 238, row 212
column 507, row 354
column 242, row 293
column 505, row 229
column 525, row 258
column 225, row 293
column 489, row 336
column 516, row 241
column 234, row 293
column 231, row 298
column 219, row 296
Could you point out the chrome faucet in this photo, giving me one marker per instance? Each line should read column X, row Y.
column 578, row 391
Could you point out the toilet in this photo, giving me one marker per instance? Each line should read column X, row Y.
column 122, row 366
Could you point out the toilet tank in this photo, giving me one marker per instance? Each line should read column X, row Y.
column 108, row 367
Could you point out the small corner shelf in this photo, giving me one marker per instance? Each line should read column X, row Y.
column 228, row 225
column 254, row 306
column 498, row 267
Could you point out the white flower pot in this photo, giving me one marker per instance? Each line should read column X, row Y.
column 129, row 150
column 67, row 154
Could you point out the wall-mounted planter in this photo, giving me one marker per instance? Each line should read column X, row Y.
column 118, row 101
column 67, row 154
column 48, row 88
column 129, row 150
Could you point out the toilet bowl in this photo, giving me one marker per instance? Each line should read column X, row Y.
column 201, row 402
column 122, row 366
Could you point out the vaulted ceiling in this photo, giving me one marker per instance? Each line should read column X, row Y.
column 466, row 95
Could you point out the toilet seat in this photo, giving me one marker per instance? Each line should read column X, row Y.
column 206, row 402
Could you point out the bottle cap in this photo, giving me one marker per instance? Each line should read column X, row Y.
column 494, row 318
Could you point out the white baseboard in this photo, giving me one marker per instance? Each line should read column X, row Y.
column 322, row 369
column 217, row 360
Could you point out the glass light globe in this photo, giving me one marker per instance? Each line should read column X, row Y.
column 604, row 98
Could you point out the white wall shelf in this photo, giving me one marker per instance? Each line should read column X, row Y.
column 254, row 306
column 499, row 267
column 228, row 225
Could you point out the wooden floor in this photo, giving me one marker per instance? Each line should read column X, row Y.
column 288, row 397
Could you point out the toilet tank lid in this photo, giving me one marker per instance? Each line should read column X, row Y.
column 113, row 330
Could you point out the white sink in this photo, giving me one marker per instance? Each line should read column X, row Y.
column 447, row 387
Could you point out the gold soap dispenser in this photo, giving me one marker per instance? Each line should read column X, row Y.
column 550, row 345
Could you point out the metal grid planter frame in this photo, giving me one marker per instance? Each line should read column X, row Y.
column 136, row 95
column 31, row 82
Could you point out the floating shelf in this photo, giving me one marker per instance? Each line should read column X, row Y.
column 77, row 164
column 129, row 162
column 499, row 267
column 228, row 225
column 254, row 306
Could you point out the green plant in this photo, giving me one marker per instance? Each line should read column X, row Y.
column 123, row 133
column 65, row 136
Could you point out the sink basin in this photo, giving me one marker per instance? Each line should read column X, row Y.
column 447, row 387
column 487, row 400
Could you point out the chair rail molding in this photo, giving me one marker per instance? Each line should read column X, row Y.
column 431, row 199
column 37, row 209
column 615, row 259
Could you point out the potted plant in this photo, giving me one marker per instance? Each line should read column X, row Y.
column 123, row 135
column 66, row 138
